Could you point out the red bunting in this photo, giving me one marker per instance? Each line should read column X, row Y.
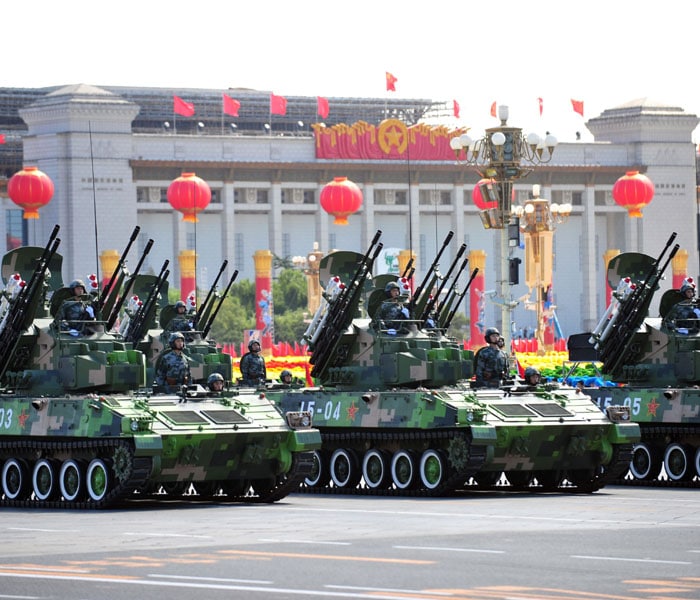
column 540, row 102
column 455, row 108
column 390, row 82
column 231, row 106
column 2, row 138
column 322, row 107
column 577, row 105
column 493, row 109
column 180, row 107
column 278, row 105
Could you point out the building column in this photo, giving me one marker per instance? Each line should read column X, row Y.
column 275, row 220
column 589, row 308
column 369, row 227
column 228, row 225
column 458, row 215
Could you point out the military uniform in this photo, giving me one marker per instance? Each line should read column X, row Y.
column 684, row 317
column 180, row 323
column 74, row 315
column 253, row 368
column 173, row 370
column 392, row 313
column 491, row 367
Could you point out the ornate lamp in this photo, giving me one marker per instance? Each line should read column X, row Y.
column 340, row 198
column 190, row 195
column 30, row 189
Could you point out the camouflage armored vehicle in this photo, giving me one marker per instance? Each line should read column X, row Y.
column 398, row 414
column 80, row 428
column 656, row 362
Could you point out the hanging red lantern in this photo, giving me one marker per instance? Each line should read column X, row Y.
column 30, row 189
column 340, row 198
column 190, row 195
column 633, row 191
column 478, row 199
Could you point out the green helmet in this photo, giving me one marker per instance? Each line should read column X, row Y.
column 180, row 304
column 214, row 377
column 529, row 372
column 285, row 373
column 392, row 285
column 175, row 336
column 77, row 283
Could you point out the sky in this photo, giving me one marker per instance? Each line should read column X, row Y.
column 603, row 52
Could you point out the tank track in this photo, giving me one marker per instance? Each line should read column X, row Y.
column 352, row 439
column 135, row 474
column 653, row 433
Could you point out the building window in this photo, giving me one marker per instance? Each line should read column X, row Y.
column 216, row 196
column 435, row 197
column 390, row 197
column 604, row 198
column 151, row 194
column 298, row 196
column 249, row 196
column 16, row 229
column 332, row 240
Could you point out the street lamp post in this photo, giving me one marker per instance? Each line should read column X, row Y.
column 310, row 266
column 504, row 155
column 538, row 220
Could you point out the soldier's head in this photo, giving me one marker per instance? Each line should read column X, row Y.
column 491, row 335
column 176, row 341
column 532, row 376
column 501, row 341
column 392, row 289
column 215, row 382
column 180, row 307
column 688, row 288
column 286, row 376
column 254, row 346
column 77, row 286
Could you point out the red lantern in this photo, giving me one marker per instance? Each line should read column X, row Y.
column 190, row 195
column 340, row 198
column 30, row 189
column 633, row 191
column 478, row 199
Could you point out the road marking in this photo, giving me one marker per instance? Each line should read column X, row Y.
column 313, row 542
column 387, row 590
column 439, row 549
column 254, row 553
column 36, row 529
column 220, row 579
column 173, row 535
column 641, row 560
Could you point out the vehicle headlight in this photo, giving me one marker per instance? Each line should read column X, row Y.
column 300, row 419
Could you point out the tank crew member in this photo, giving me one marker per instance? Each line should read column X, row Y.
column 491, row 361
column 77, row 311
column 215, row 382
column 532, row 378
column 392, row 311
column 172, row 367
column 181, row 321
column 252, row 365
column 684, row 317
column 286, row 377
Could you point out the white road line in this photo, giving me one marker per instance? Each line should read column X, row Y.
column 313, row 542
column 386, row 590
column 173, row 535
column 439, row 549
column 641, row 560
column 219, row 579
column 43, row 530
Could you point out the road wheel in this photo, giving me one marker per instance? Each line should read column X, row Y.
column 646, row 462
column 344, row 469
column 98, row 479
column 403, row 469
column 677, row 462
column 15, row 479
column 433, row 469
column 375, row 469
column 519, row 479
column 320, row 475
column 44, row 480
column 71, row 480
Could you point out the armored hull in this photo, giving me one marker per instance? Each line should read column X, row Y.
column 81, row 425
column 398, row 414
column 656, row 362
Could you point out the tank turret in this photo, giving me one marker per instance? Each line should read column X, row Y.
column 655, row 362
column 398, row 412
column 81, row 426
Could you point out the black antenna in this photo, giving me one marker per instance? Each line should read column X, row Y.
column 94, row 202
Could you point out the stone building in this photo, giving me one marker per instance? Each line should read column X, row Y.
column 112, row 153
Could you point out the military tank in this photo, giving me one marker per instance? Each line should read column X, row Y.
column 80, row 427
column 656, row 363
column 398, row 414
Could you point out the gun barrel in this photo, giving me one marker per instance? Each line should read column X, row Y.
column 212, row 318
column 119, row 267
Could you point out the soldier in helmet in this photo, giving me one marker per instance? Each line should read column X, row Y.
column 77, row 311
column 286, row 377
column 532, row 378
column 392, row 312
column 252, row 365
column 215, row 382
column 491, row 361
column 172, row 367
column 181, row 321
column 684, row 317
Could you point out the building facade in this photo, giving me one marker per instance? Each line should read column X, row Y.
column 111, row 173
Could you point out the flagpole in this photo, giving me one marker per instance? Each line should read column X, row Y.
column 222, row 115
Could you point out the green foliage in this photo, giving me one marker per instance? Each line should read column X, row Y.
column 458, row 327
column 289, row 292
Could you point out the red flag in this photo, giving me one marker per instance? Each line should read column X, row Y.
column 231, row 106
column 322, row 107
column 493, row 109
column 455, row 108
column 180, row 107
column 278, row 105
column 577, row 106
column 2, row 138
column 539, row 101
column 390, row 82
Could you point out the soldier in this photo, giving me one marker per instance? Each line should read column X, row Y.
column 252, row 365
column 532, row 378
column 392, row 311
column 172, row 367
column 286, row 377
column 215, row 382
column 491, row 361
column 684, row 317
column 181, row 321
column 76, row 311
